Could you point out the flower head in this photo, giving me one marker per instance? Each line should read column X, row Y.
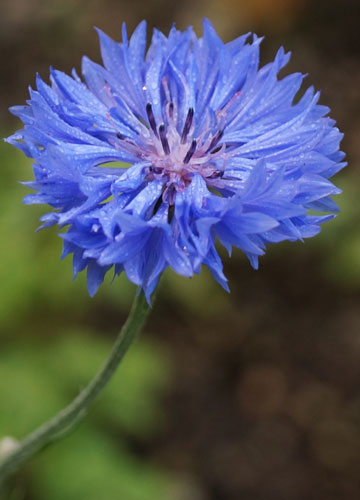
column 153, row 157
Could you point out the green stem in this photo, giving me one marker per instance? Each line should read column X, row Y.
column 76, row 410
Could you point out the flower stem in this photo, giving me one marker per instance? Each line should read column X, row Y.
column 76, row 410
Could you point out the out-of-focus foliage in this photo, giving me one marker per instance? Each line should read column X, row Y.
column 342, row 244
column 39, row 378
column 52, row 371
column 91, row 466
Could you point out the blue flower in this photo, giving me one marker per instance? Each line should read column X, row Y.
column 160, row 153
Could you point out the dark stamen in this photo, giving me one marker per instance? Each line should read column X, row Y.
column 216, row 174
column 187, row 125
column 163, row 139
column 151, row 118
column 215, row 140
column 157, row 205
column 190, row 152
column 120, row 136
column 171, row 213
column 171, row 109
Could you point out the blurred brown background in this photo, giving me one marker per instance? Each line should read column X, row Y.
column 253, row 395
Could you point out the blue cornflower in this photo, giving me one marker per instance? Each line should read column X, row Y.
column 159, row 153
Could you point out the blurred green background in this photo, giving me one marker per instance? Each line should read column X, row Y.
column 253, row 395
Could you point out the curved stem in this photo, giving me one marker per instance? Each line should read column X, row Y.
column 77, row 408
